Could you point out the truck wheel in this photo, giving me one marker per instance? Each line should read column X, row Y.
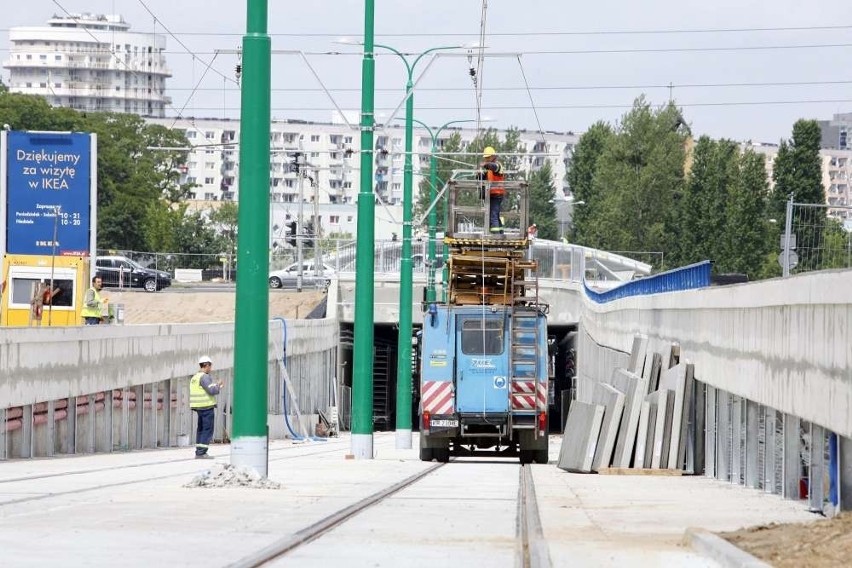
column 442, row 454
column 540, row 456
column 426, row 454
column 526, row 456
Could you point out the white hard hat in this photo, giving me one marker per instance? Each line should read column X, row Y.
column 204, row 359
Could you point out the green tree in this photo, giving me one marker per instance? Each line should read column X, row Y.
column 746, row 240
column 797, row 171
column 581, row 175
column 703, row 216
column 541, row 208
column 225, row 220
column 639, row 181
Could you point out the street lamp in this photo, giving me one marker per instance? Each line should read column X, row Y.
column 431, row 295
column 406, row 280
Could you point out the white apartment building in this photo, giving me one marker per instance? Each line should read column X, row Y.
column 214, row 167
column 836, row 176
column 90, row 63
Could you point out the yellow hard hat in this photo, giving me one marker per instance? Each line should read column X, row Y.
column 488, row 152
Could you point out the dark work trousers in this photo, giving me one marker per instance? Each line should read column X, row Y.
column 204, row 435
column 496, row 202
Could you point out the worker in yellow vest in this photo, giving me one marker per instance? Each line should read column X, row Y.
column 93, row 303
column 202, row 400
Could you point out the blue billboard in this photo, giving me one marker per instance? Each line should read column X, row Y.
column 48, row 193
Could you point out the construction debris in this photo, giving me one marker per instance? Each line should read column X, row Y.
column 226, row 475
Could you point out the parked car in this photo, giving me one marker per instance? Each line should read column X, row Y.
column 120, row 271
column 287, row 277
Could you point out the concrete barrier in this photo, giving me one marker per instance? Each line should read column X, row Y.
column 782, row 343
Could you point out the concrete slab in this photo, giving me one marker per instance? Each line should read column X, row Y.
column 132, row 509
column 659, row 402
column 636, row 363
column 651, row 373
column 613, row 401
column 674, row 379
column 596, row 520
column 581, row 437
column 642, row 436
column 634, row 387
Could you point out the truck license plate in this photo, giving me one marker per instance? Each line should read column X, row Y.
column 445, row 423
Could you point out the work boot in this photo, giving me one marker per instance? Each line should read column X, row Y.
column 203, row 457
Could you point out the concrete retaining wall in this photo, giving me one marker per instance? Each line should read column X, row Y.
column 782, row 343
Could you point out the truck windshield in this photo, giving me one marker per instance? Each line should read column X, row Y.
column 482, row 337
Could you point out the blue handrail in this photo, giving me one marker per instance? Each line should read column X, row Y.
column 686, row 278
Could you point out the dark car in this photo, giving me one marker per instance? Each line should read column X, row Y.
column 120, row 271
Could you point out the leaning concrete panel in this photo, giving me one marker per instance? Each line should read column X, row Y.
column 636, row 363
column 687, row 417
column 613, row 400
column 580, row 437
column 651, row 371
column 633, row 387
column 642, row 435
column 674, row 379
column 659, row 403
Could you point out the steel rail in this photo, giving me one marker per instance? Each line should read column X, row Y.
column 291, row 542
column 532, row 547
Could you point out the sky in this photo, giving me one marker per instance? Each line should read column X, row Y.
column 739, row 69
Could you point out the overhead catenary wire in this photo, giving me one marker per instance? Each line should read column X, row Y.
column 569, row 106
column 182, row 44
column 532, row 101
column 556, row 87
column 540, row 33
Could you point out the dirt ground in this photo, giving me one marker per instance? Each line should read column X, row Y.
column 821, row 544
column 170, row 306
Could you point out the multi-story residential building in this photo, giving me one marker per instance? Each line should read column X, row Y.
column 836, row 176
column 90, row 63
column 835, row 132
column 331, row 151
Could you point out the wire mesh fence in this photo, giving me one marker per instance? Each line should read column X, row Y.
column 819, row 237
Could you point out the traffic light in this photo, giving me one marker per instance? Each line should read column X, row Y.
column 309, row 233
column 291, row 233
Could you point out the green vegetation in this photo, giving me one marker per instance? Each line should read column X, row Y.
column 645, row 187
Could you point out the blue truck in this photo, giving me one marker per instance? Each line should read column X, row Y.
column 483, row 349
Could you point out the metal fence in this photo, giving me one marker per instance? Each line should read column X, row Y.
column 816, row 237
column 556, row 260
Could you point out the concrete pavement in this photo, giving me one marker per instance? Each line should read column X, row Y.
column 132, row 508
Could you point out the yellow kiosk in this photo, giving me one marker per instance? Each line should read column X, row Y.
column 48, row 186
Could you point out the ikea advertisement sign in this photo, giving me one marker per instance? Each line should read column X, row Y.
column 49, row 193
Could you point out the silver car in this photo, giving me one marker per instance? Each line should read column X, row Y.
column 286, row 278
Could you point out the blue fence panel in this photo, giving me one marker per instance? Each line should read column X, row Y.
column 686, row 278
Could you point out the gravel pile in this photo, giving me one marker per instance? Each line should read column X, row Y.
column 227, row 475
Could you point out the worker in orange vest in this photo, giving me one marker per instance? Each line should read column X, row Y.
column 492, row 172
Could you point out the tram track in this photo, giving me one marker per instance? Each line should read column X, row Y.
column 129, row 466
column 292, row 542
column 133, row 481
column 531, row 547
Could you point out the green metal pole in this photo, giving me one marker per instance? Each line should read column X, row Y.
column 433, row 219
column 362, row 368
column 249, row 445
column 406, row 284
